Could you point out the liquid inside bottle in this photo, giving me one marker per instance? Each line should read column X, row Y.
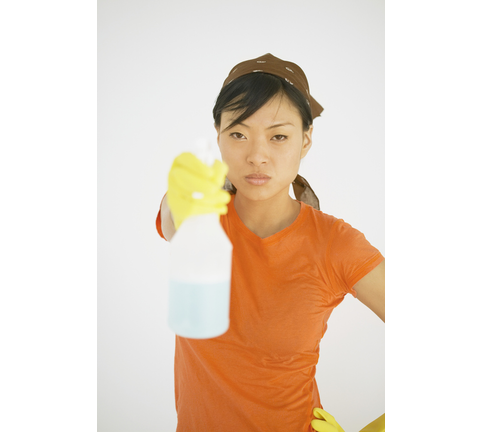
column 200, row 278
column 199, row 310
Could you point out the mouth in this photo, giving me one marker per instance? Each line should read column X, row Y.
column 257, row 179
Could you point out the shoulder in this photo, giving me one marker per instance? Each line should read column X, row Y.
column 341, row 237
column 317, row 215
column 335, row 227
column 319, row 219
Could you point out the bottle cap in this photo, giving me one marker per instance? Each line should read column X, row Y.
column 203, row 151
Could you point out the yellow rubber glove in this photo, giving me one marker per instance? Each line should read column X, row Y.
column 327, row 422
column 195, row 188
column 377, row 425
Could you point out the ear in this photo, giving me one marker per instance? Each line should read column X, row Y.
column 307, row 141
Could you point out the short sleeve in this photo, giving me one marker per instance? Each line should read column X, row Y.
column 351, row 256
column 159, row 225
column 159, row 222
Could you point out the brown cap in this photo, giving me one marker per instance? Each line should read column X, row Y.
column 289, row 71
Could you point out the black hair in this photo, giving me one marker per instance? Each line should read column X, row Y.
column 248, row 93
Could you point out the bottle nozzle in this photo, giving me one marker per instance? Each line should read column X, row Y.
column 204, row 151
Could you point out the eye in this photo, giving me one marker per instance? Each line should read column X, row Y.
column 280, row 138
column 237, row 135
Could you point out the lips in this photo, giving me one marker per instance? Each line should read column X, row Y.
column 257, row 179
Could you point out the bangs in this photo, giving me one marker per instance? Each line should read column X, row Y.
column 248, row 93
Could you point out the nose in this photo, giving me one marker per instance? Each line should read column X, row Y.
column 258, row 153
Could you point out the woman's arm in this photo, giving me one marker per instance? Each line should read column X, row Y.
column 168, row 228
column 370, row 290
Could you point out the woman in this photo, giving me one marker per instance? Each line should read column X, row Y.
column 292, row 264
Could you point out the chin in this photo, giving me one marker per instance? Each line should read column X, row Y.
column 259, row 193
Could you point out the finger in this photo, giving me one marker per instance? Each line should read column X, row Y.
column 322, row 414
column 318, row 413
column 326, row 416
column 182, row 201
column 219, row 197
column 191, row 163
column 210, row 206
column 220, row 170
column 189, row 182
column 322, row 426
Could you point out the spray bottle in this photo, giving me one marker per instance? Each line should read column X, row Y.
column 200, row 273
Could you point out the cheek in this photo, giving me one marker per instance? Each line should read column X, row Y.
column 228, row 156
column 222, row 148
column 289, row 157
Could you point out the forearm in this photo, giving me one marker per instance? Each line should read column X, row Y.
column 168, row 228
column 371, row 290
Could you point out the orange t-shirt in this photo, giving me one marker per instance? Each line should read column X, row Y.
column 260, row 374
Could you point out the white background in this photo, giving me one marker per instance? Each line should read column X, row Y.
column 160, row 69
column 48, row 234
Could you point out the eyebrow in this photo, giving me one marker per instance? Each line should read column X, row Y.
column 270, row 127
column 280, row 124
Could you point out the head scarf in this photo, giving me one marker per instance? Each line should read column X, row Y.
column 294, row 75
column 289, row 71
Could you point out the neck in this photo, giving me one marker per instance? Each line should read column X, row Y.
column 267, row 217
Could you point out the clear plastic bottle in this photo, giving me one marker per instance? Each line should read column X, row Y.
column 200, row 275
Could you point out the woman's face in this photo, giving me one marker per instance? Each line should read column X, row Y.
column 263, row 152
